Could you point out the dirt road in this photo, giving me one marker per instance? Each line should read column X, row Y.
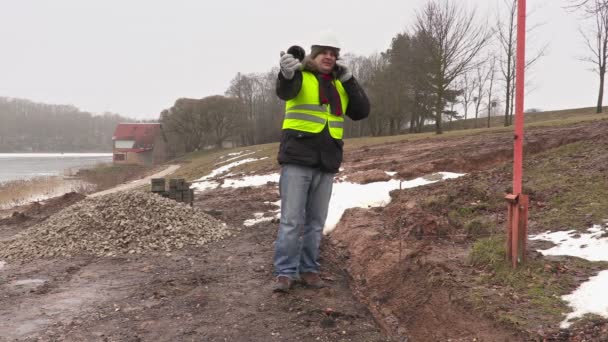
column 137, row 183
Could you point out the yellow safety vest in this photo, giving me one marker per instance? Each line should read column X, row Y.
column 306, row 113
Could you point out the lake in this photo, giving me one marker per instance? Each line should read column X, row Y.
column 15, row 166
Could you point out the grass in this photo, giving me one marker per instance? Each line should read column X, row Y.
column 105, row 176
column 555, row 117
column 100, row 177
column 19, row 192
column 198, row 164
column 534, row 289
column 568, row 189
column 571, row 184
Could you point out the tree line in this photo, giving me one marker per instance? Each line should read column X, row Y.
column 27, row 126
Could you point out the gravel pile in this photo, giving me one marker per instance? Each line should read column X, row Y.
column 118, row 223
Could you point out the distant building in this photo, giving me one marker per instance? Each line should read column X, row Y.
column 139, row 143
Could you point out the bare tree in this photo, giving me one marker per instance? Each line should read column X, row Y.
column 483, row 72
column 361, row 67
column 379, row 96
column 242, row 87
column 587, row 5
column 455, row 41
column 186, row 125
column 224, row 115
column 491, row 75
column 507, row 38
column 596, row 40
column 468, row 87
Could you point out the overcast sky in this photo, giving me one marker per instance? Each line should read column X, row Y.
column 136, row 57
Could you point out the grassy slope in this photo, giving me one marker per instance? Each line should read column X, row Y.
column 201, row 163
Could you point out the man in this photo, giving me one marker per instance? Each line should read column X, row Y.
column 319, row 92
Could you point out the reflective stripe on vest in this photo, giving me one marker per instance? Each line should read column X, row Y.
column 306, row 113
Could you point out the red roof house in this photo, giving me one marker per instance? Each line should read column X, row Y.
column 139, row 143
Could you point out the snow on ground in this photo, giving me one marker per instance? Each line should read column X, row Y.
column 590, row 246
column 345, row 195
column 204, row 183
column 2, row 264
column 259, row 217
column 254, row 180
column 234, row 156
column 591, row 296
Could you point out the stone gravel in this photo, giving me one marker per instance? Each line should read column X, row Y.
column 115, row 224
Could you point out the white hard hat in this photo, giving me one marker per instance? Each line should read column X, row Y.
column 327, row 38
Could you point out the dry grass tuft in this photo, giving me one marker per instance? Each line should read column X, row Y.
column 19, row 192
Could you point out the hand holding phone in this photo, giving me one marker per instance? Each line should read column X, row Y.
column 343, row 72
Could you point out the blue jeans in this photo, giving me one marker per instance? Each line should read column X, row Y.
column 305, row 194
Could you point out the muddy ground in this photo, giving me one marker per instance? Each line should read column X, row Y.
column 399, row 273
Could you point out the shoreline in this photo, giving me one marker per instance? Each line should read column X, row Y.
column 27, row 166
column 18, row 194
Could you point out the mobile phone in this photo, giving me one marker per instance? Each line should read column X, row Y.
column 297, row 51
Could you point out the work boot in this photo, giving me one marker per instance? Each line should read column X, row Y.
column 282, row 284
column 312, row 280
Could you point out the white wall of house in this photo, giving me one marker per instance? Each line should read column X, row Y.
column 124, row 143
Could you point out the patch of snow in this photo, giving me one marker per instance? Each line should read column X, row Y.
column 203, row 184
column 236, row 156
column 252, row 222
column 27, row 282
column 254, row 180
column 588, row 246
column 390, row 173
column 2, row 264
column 259, row 217
column 591, row 296
column 232, row 154
column 223, row 169
column 347, row 195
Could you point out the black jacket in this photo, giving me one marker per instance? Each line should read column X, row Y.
column 318, row 149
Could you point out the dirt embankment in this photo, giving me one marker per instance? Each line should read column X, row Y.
column 410, row 261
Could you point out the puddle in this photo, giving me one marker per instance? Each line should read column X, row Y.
column 434, row 177
column 28, row 317
column 27, row 282
column 31, row 326
column 24, row 285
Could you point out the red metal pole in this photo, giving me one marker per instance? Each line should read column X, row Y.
column 519, row 97
column 517, row 223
